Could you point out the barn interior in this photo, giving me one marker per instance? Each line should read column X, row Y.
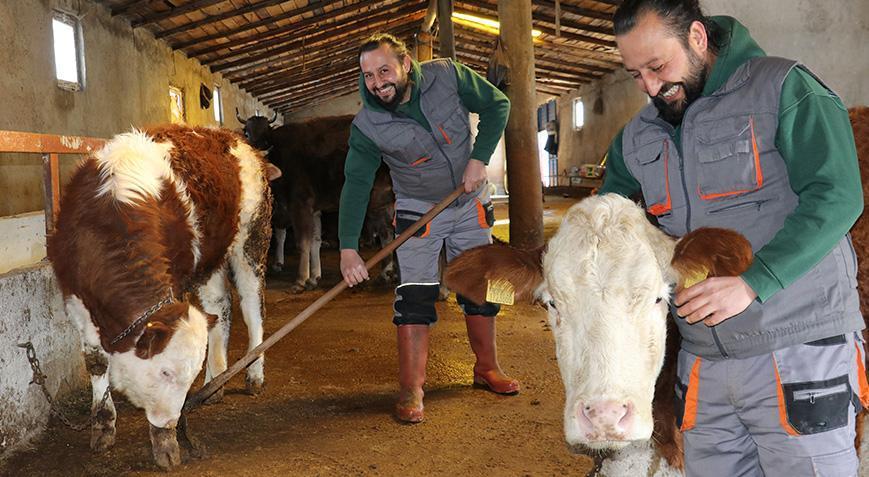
column 77, row 72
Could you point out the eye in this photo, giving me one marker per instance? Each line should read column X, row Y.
column 659, row 300
column 166, row 374
column 551, row 304
column 657, row 68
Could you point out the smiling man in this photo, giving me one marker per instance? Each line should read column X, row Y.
column 415, row 118
column 770, row 362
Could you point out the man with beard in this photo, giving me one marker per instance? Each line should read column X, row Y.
column 415, row 117
column 770, row 366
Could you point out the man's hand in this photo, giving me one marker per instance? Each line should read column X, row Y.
column 353, row 267
column 475, row 174
column 714, row 300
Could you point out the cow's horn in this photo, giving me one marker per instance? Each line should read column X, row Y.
column 238, row 116
column 274, row 118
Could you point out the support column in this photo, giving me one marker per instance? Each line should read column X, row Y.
column 423, row 46
column 445, row 29
column 520, row 137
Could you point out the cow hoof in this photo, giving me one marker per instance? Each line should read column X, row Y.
column 164, row 446
column 196, row 448
column 254, row 386
column 102, row 438
column 215, row 398
column 311, row 284
column 297, row 288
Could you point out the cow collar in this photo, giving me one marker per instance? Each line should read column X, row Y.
column 169, row 298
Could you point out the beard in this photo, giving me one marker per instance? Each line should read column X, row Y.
column 400, row 88
column 692, row 85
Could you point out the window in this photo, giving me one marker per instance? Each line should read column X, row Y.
column 578, row 113
column 176, row 105
column 68, row 58
column 217, row 105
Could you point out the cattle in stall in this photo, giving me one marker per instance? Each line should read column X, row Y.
column 311, row 156
column 608, row 270
column 150, row 218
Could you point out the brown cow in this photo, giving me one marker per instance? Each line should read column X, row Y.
column 152, row 216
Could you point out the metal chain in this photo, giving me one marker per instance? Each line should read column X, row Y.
column 144, row 317
column 39, row 378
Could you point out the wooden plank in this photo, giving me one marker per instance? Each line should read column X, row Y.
column 445, row 29
column 230, row 14
column 173, row 12
column 51, row 189
column 15, row 141
column 574, row 10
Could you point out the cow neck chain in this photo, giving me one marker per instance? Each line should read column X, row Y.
column 170, row 298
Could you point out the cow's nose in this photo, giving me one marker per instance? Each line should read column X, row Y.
column 605, row 419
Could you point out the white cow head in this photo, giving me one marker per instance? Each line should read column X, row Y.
column 158, row 372
column 606, row 279
column 607, row 285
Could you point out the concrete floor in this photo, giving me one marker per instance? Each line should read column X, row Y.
column 330, row 388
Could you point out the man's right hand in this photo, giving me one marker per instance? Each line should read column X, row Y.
column 353, row 267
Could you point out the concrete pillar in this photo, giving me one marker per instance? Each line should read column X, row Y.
column 520, row 137
column 445, row 29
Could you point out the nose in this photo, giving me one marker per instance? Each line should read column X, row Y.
column 605, row 419
column 652, row 85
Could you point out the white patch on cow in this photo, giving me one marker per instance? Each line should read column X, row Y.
column 216, row 300
column 608, row 313
column 159, row 385
column 133, row 167
column 81, row 318
column 192, row 218
column 249, row 287
column 252, row 188
column 637, row 460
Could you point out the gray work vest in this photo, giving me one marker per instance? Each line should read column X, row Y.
column 425, row 165
column 735, row 178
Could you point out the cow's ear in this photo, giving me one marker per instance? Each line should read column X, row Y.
column 470, row 273
column 153, row 340
column 711, row 252
column 272, row 171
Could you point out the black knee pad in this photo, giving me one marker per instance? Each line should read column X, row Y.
column 415, row 304
column 471, row 308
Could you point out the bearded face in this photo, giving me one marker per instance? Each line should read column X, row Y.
column 389, row 95
column 671, row 105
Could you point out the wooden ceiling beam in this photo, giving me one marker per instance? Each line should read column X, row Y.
column 313, row 100
column 538, row 20
column 311, row 88
column 286, row 30
column 125, row 7
column 321, row 37
column 574, row 10
column 173, row 12
column 291, row 82
column 380, row 16
column 235, row 13
column 326, row 91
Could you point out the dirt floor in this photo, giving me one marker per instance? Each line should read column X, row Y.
column 330, row 389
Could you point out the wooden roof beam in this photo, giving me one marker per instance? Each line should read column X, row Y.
column 234, row 13
column 173, row 12
column 574, row 10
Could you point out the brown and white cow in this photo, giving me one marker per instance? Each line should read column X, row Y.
column 311, row 156
column 149, row 218
column 606, row 278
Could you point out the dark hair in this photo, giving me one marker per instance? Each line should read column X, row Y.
column 677, row 15
column 374, row 41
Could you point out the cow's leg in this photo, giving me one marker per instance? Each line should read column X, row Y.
column 217, row 301
column 316, row 243
column 303, row 229
column 248, row 262
column 97, row 364
column 280, row 243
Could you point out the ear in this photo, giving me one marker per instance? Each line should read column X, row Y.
column 470, row 273
column 153, row 340
column 272, row 171
column 698, row 38
column 406, row 63
column 711, row 252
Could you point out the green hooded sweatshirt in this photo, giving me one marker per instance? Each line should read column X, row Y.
column 363, row 158
column 815, row 140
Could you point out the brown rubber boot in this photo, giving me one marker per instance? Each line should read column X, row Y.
column 412, row 358
column 487, row 372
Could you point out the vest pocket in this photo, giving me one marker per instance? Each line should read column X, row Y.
column 728, row 159
column 654, row 165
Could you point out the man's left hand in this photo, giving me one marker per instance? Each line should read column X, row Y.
column 714, row 300
column 475, row 174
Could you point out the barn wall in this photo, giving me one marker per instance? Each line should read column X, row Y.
column 31, row 309
column 340, row 106
column 621, row 101
column 128, row 74
column 828, row 37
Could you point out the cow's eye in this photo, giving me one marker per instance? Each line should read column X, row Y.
column 166, row 374
column 551, row 304
column 659, row 300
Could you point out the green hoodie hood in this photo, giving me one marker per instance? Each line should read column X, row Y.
column 737, row 47
column 370, row 102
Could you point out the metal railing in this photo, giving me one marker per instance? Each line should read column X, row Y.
column 50, row 147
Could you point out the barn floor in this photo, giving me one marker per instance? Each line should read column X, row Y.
column 330, row 388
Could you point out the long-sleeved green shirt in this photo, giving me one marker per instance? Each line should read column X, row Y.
column 815, row 140
column 364, row 157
